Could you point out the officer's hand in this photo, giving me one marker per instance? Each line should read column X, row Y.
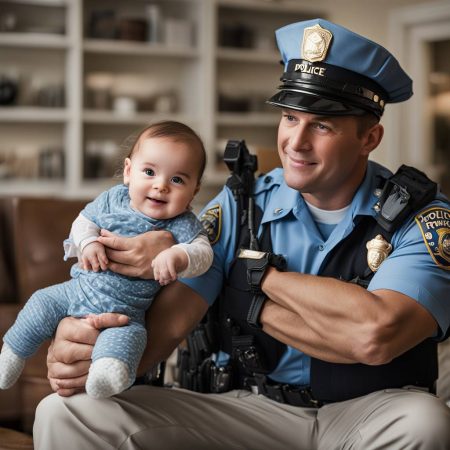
column 133, row 256
column 69, row 355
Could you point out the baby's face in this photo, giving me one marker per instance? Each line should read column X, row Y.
column 162, row 176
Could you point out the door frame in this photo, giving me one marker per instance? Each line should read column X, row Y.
column 411, row 29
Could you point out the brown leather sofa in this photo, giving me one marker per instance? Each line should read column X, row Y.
column 32, row 231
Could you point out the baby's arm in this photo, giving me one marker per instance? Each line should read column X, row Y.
column 82, row 243
column 183, row 260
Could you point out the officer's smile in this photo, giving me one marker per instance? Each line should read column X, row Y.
column 299, row 163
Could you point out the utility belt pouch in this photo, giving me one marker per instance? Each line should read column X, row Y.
column 246, row 353
column 203, row 344
column 405, row 192
column 194, row 360
column 221, row 379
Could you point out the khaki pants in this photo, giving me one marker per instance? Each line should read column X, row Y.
column 170, row 419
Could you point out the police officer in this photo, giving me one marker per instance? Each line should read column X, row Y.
column 332, row 322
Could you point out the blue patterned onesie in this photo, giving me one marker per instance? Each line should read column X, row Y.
column 98, row 292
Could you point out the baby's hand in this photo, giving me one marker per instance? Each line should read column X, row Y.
column 168, row 263
column 94, row 257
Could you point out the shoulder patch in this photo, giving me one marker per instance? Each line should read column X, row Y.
column 212, row 223
column 434, row 224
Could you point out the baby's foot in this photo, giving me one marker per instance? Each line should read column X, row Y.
column 107, row 377
column 11, row 367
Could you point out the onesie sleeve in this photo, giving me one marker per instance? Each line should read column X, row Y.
column 200, row 256
column 83, row 232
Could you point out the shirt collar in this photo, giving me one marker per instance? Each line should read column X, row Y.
column 281, row 203
column 365, row 198
column 286, row 199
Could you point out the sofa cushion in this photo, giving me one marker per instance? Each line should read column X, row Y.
column 36, row 228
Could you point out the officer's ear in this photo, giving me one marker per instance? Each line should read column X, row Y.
column 372, row 138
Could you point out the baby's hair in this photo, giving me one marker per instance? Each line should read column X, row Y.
column 177, row 131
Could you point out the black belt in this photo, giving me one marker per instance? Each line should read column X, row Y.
column 283, row 393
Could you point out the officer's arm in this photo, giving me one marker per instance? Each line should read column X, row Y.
column 342, row 322
column 174, row 313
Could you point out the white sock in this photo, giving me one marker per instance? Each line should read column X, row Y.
column 107, row 377
column 11, row 367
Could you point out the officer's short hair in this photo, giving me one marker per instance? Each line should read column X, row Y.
column 365, row 122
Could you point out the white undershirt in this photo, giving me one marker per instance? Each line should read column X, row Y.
column 327, row 216
column 326, row 220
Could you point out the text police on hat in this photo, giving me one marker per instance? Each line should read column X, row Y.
column 331, row 70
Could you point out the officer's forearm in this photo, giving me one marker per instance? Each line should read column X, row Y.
column 289, row 328
column 346, row 321
column 315, row 320
column 174, row 313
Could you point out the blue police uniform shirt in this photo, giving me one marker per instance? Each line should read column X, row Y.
column 409, row 269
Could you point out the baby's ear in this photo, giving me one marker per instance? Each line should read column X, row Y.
column 126, row 171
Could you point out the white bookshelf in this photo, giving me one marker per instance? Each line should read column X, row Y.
column 33, row 40
column 59, row 49
column 139, row 49
column 252, row 119
column 247, row 56
column 30, row 114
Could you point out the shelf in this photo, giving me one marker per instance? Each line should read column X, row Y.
column 88, row 190
column 91, row 188
column 248, row 55
column 33, row 114
column 91, row 116
column 31, row 187
column 248, row 119
column 34, row 40
column 138, row 48
column 270, row 6
column 195, row 69
column 38, row 2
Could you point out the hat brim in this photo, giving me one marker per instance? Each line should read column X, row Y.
column 314, row 104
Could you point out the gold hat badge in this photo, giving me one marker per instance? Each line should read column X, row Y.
column 378, row 250
column 316, row 41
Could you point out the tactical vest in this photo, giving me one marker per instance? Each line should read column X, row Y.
column 255, row 352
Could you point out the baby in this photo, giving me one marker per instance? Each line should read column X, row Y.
column 161, row 177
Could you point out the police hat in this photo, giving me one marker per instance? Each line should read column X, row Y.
column 331, row 70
